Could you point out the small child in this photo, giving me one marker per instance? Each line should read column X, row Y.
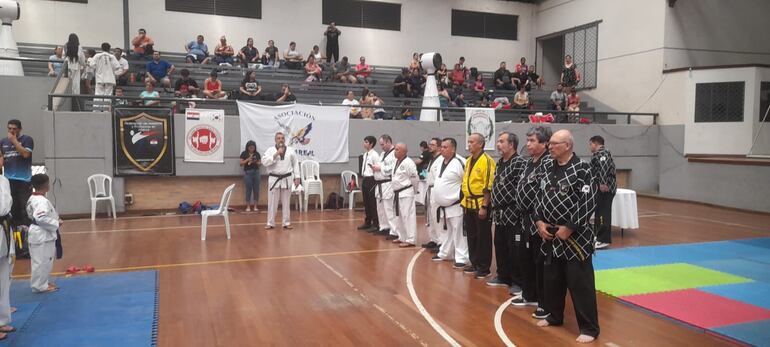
column 42, row 235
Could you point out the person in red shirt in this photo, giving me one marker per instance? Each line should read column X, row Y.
column 214, row 87
column 573, row 102
column 363, row 70
column 142, row 45
column 458, row 76
column 522, row 66
column 312, row 69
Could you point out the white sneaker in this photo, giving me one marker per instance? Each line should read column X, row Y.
column 600, row 245
column 248, row 208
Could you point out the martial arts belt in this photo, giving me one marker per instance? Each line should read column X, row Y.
column 396, row 192
column 5, row 221
column 378, row 184
column 279, row 178
column 443, row 208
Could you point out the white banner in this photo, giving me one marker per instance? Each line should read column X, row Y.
column 317, row 133
column 482, row 121
column 204, row 136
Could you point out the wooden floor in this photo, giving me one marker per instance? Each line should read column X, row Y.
column 325, row 283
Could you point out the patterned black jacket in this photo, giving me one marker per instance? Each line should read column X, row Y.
column 567, row 198
column 528, row 191
column 603, row 168
column 507, row 176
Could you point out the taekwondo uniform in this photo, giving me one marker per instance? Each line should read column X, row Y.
column 384, row 192
column 507, row 174
column 281, row 172
column 603, row 168
column 568, row 199
column 445, row 200
column 405, row 183
column 105, row 67
column 42, row 240
column 7, row 251
column 478, row 179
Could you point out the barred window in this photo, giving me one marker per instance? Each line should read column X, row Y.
column 485, row 25
column 232, row 8
column 583, row 45
column 764, row 101
column 719, row 102
column 362, row 14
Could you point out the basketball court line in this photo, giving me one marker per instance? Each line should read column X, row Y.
column 230, row 261
column 363, row 296
column 711, row 221
column 196, row 226
column 420, row 307
column 499, row 323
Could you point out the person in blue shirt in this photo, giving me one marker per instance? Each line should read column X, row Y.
column 197, row 51
column 17, row 167
column 159, row 71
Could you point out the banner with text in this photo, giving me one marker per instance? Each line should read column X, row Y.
column 143, row 141
column 204, row 136
column 317, row 133
column 482, row 121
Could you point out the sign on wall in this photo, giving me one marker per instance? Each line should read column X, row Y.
column 317, row 133
column 143, row 141
column 482, row 121
column 204, row 136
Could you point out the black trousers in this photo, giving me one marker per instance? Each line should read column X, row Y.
column 603, row 217
column 479, row 233
column 370, row 202
column 508, row 270
column 531, row 264
column 578, row 277
column 332, row 52
column 20, row 192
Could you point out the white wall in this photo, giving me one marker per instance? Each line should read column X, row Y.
column 51, row 22
column 716, row 32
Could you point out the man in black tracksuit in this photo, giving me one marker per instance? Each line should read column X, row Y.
column 603, row 168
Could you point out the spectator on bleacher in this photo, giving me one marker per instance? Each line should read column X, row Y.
column 88, row 72
column 573, row 100
column 461, row 61
column 569, row 74
column 55, row 62
column 416, row 83
column 444, row 99
column 332, row 42
column 459, row 100
column 415, row 63
column 522, row 79
column 292, row 57
column 248, row 54
column 535, row 78
column 76, row 61
column 250, row 88
column 343, row 72
column 458, row 76
column 442, row 75
column 270, row 55
column 401, row 85
column 223, row 52
column 120, row 102
column 316, row 52
column 522, row 65
column 149, row 93
column 478, row 85
column 379, row 112
column 312, row 69
column 406, row 111
column 159, row 71
column 503, row 78
column 521, row 98
column 213, row 86
column 286, row 94
column 185, row 86
column 197, row 51
column 122, row 78
column 366, row 99
column 106, row 67
column 142, row 45
column 558, row 99
column 363, row 71
column 350, row 100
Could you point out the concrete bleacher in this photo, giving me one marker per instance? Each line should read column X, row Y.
column 320, row 92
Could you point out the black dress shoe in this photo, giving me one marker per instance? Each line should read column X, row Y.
column 364, row 226
column 429, row 245
column 391, row 237
column 373, row 229
column 383, row 232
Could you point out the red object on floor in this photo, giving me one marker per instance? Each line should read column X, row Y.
column 698, row 308
column 72, row 269
column 89, row 268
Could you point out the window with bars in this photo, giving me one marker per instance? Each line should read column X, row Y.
column 232, row 8
column 764, row 101
column 719, row 102
column 362, row 14
column 485, row 25
column 583, row 45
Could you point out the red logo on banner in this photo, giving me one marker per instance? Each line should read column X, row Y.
column 204, row 140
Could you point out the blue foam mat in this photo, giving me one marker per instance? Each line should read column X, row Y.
column 756, row 333
column 752, row 269
column 93, row 310
column 753, row 293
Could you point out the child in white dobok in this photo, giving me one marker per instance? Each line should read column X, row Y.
column 42, row 235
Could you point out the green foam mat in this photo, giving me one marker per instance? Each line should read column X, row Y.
column 660, row 278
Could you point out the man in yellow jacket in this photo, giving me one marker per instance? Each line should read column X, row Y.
column 477, row 187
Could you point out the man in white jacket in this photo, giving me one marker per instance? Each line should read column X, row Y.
column 383, row 169
column 405, row 182
column 42, row 235
column 282, row 165
column 7, row 255
column 105, row 67
column 448, row 171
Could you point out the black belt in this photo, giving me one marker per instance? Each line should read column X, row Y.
column 378, row 184
column 443, row 208
column 7, row 232
column 395, row 197
column 279, row 178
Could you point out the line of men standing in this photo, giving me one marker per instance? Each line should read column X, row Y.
column 541, row 208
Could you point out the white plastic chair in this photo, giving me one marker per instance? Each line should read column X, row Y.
column 221, row 211
column 311, row 181
column 100, row 189
column 348, row 176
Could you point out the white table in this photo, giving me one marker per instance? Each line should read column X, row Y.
column 624, row 211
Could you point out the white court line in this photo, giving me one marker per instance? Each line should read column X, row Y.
column 420, row 307
column 499, row 323
column 378, row 307
column 196, row 226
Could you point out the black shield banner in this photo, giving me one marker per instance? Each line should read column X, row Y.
column 143, row 141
